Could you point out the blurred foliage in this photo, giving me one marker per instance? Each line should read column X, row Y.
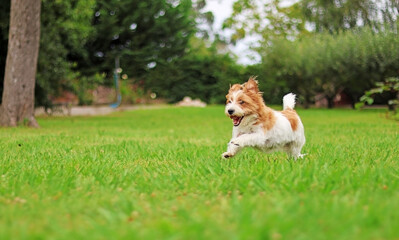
column 65, row 28
column 267, row 19
column 202, row 73
column 390, row 85
column 80, row 40
column 312, row 47
column 275, row 19
column 334, row 16
column 81, row 84
column 319, row 47
column 350, row 61
column 140, row 33
column 131, row 94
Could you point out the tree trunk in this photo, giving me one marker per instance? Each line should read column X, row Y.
column 19, row 79
column 330, row 102
column 307, row 102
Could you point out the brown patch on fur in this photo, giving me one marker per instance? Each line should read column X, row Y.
column 253, row 103
column 292, row 117
column 235, row 87
column 267, row 118
column 257, row 105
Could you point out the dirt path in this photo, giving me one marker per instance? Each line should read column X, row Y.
column 91, row 110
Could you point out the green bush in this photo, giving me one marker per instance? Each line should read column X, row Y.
column 351, row 61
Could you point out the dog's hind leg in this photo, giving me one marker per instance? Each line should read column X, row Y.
column 295, row 151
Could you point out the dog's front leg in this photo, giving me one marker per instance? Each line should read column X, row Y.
column 232, row 149
column 245, row 140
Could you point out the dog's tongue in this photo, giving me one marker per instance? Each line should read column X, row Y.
column 236, row 120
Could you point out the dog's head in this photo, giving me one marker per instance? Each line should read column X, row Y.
column 243, row 100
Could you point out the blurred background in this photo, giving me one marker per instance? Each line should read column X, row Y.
column 329, row 52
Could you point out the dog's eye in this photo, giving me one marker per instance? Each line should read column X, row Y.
column 242, row 102
column 228, row 101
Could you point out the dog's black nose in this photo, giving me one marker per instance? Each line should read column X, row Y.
column 230, row 111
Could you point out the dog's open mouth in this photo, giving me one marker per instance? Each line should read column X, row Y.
column 236, row 120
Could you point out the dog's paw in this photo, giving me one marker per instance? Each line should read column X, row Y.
column 301, row 156
column 227, row 155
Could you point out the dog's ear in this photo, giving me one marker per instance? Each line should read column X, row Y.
column 252, row 85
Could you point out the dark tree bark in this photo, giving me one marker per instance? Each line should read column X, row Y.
column 330, row 101
column 19, row 79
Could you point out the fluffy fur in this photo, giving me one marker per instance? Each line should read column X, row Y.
column 258, row 126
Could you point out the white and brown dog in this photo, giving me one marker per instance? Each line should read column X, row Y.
column 258, row 126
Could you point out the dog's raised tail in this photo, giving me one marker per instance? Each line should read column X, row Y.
column 289, row 101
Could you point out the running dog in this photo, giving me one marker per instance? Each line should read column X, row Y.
column 256, row 125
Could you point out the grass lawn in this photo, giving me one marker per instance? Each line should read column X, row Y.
column 158, row 174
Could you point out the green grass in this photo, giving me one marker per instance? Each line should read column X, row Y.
column 157, row 174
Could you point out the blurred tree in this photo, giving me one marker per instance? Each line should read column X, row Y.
column 334, row 16
column 80, row 40
column 351, row 62
column 204, row 72
column 322, row 57
column 17, row 105
column 271, row 22
column 141, row 33
column 65, row 28
column 390, row 12
column 269, row 19
column 274, row 19
column 204, row 19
